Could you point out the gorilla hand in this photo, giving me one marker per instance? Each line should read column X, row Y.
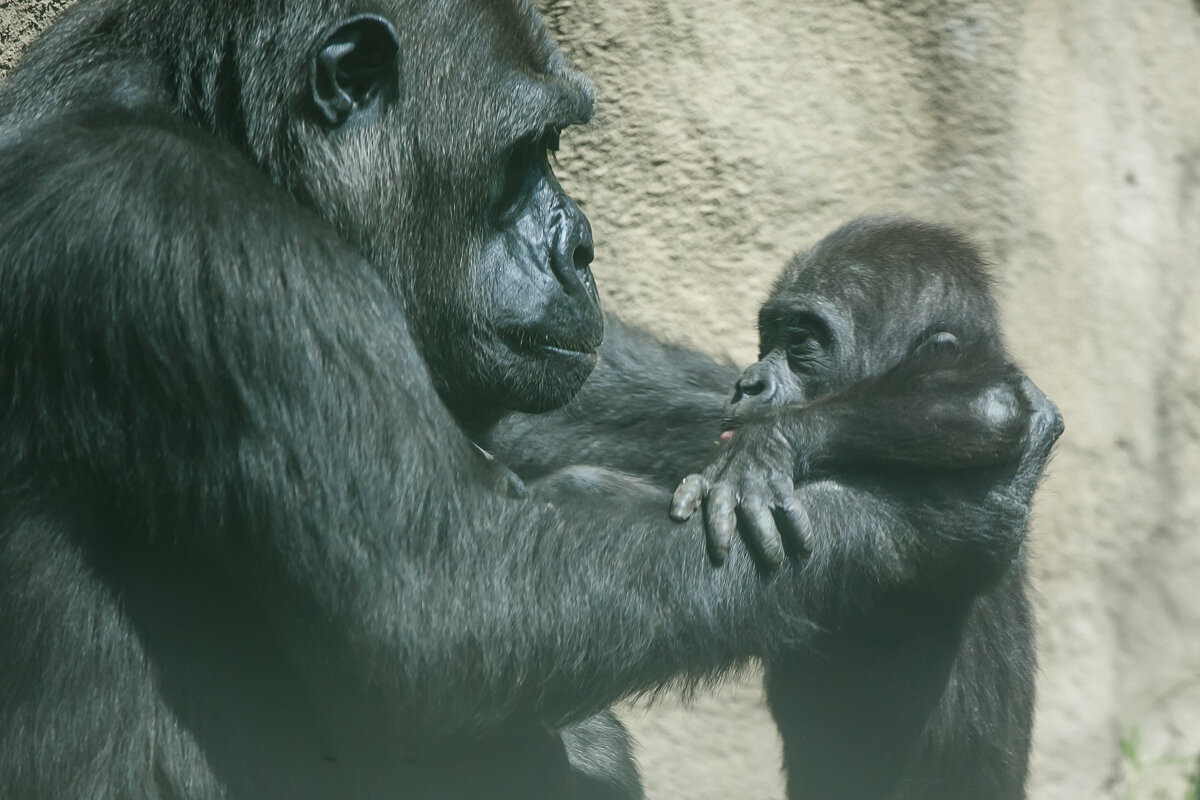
column 748, row 487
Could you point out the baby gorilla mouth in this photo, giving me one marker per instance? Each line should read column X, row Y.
column 729, row 424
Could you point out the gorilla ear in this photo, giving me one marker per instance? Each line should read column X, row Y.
column 355, row 68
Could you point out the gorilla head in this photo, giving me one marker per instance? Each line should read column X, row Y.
column 442, row 178
column 422, row 132
column 872, row 293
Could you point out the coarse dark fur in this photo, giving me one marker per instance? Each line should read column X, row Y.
column 872, row 345
column 931, row 696
column 263, row 267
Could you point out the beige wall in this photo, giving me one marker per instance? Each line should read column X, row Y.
column 1065, row 135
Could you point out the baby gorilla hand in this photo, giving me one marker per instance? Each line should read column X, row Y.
column 748, row 487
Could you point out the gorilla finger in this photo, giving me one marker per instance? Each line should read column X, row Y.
column 1035, row 396
column 1051, row 421
column 794, row 525
column 757, row 523
column 688, row 496
column 720, row 523
column 942, row 343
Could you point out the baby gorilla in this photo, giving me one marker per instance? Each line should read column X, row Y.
column 929, row 693
column 878, row 322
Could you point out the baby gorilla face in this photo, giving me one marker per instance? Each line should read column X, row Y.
column 796, row 365
column 873, row 294
column 800, row 366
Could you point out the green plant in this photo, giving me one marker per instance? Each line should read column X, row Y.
column 1138, row 774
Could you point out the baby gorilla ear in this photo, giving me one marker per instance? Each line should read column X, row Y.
column 940, row 344
column 355, row 69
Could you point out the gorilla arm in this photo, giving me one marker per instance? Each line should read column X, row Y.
column 650, row 409
column 657, row 411
column 926, row 435
column 250, row 397
column 929, row 415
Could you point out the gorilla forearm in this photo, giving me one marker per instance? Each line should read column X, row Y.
column 579, row 639
column 650, row 409
column 479, row 580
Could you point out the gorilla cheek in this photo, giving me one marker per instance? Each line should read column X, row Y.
column 539, row 303
column 541, row 298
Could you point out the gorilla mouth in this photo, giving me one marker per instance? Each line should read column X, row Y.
column 729, row 425
column 539, row 344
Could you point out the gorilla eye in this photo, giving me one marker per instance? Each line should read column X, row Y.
column 519, row 173
column 805, row 345
column 801, row 340
column 522, row 169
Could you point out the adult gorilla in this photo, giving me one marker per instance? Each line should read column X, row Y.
column 251, row 252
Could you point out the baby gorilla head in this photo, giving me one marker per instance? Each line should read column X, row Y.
column 873, row 293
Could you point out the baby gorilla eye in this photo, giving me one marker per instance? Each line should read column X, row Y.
column 803, row 344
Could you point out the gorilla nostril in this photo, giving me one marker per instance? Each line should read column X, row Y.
column 751, row 388
column 583, row 256
column 756, row 385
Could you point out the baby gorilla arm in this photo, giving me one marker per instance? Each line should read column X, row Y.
column 940, row 423
column 931, row 417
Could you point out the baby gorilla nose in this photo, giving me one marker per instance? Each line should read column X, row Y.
column 756, row 386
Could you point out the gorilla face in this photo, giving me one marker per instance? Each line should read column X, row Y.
column 874, row 292
column 542, row 307
column 442, row 177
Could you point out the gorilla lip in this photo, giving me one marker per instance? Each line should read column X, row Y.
column 526, row 341
column 566, row 352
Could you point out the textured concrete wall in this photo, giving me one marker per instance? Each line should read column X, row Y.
column 1065, row 135
column 20, row 22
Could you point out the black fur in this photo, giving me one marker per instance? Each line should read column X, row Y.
column 884, row 370
column 261, row 264
column 931, row 697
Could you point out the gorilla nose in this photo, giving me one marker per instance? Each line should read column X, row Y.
column 583, row 254
column 572, row 249
column 757, row 384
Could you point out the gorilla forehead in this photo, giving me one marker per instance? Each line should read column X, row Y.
column 877, row 263
column 488, row 39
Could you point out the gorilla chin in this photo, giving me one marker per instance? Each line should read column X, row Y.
column 547, row 376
